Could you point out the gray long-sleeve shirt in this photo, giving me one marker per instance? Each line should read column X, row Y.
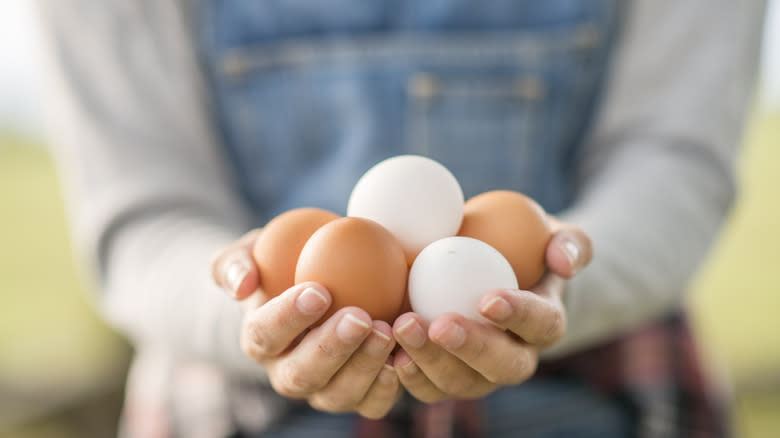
column 151, row 197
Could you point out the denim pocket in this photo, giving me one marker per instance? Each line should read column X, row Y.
column 507, row 113
column 480, row 126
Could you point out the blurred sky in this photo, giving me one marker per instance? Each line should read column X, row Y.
column 20, row 65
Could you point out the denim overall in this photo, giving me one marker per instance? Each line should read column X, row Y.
column 309, row 94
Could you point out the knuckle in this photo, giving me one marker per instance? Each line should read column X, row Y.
column 501, row 375
column 295, row 381
column 475, row 352
column 283, row 389
column 347, row 401
column 249, row 349
column 520, row 370
column 529, row 369
column 255, row 336
column 458, row 387
column 253, row 342
column 526, row 367
column 555, row 327
column 522, row 313
column 328, row 352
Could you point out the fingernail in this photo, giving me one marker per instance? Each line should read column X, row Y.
column 351, row 328
column 376, row 343
column 412, row 334
column 452, row 337
column 387, row 375
column 234, row 276
column 572, row 252
column 311, row 301
column 497, row 309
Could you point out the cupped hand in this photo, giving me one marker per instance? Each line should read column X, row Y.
column 456, row 357
column 338, row 366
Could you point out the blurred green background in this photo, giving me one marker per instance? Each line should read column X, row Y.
column 62, row 370
column 736, row 296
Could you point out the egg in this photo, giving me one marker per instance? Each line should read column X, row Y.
column 417, row 199
column 360, row 263
column 452, row 274
column 516, row 226
column 280, row 243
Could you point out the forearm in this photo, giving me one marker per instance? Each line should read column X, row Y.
column 149, row 193
column 159, row 292
column 652, row 221
column 656, row 178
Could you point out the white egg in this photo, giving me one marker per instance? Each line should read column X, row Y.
column 452, row 274
column 417, row 199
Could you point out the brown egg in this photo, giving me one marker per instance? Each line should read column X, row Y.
column 515, row 225
column 280, row 243
column 406, row 305
column 360, row 263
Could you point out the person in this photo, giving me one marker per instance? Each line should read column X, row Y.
column 179, row 127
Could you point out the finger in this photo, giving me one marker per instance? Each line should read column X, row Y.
column 349, row 385
column 269, row 329
column 309, row 366
column 550, row 287
column 537, row 318
column 569, row 250
column 447, row 372
column 383, row 394
column 234, row 270
column 500, row 358
column 413, row 379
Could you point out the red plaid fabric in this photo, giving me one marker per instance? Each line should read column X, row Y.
column 656, row 371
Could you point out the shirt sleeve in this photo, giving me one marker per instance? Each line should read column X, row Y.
column 148, row 191
column 656, row 177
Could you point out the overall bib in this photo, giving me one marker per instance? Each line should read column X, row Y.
column 308, row 95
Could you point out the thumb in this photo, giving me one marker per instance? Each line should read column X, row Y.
column 234, row 270
column 569, row 250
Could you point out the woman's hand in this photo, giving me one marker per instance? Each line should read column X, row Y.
column 339, row 366
column 456, row 357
